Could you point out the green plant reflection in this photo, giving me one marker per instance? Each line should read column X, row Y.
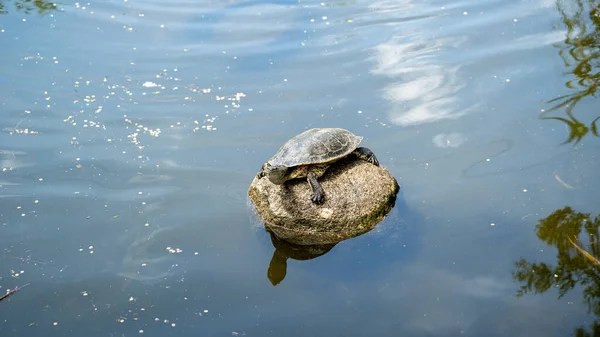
column 29, row 6
column 581, row 53
column 577, row 263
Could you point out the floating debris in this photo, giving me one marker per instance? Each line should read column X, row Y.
column 12, row 291
column 560, row 181
column 585, row 253
column 174, row 250
column 149, row 84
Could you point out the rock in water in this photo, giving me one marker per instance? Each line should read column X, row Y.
column 358, row 196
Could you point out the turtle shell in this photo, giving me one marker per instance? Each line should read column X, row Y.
column 316, row 146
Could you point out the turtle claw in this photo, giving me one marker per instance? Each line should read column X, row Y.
column 317, row 198
column 318, row 195
column 366, row 155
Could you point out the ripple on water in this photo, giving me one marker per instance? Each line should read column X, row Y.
column 150, row 259
column 199, row 29
column 146, row 12
column 253, row 26
column 209, row 186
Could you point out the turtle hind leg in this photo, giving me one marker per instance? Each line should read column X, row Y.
column 318, row 195
column 366, row 155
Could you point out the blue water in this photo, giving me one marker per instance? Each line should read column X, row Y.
column 130, row 132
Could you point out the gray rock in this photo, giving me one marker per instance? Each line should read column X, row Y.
column 358, row 195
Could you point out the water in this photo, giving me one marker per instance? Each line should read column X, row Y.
column 131, row 131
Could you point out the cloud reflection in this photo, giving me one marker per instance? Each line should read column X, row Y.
column 445, row 140
column 425, row 90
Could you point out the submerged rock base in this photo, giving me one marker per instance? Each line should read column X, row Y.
column 358, row 195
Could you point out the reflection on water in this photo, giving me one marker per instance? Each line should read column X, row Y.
column 581, row 54
column 28, row 6
column 300, row 241
column 576, row 266
column 285, row 250
column 248, row 28
column 130, row 131
column 146, row 260
column 449, row 140
column 424, row 89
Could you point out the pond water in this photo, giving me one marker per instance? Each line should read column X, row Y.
column 130, row 131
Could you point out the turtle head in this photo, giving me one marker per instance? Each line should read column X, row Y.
column 276, row 173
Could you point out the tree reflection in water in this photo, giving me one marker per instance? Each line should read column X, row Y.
column 581, row 54
column 28, row 6
column 577, row 262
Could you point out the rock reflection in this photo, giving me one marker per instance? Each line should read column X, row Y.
column 581, row 54
column 28, row 6
column 305, row 236
column 285, row 250
column 577, row 263
column 320, row 244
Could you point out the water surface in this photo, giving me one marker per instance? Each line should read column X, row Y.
column 131, row 131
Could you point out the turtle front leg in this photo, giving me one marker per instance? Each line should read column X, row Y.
column 366, row 155
column 318, row 195
column 261, row 173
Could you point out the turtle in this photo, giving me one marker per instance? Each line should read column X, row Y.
column 310, row 153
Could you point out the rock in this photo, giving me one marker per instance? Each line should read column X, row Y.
column 358, row 195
